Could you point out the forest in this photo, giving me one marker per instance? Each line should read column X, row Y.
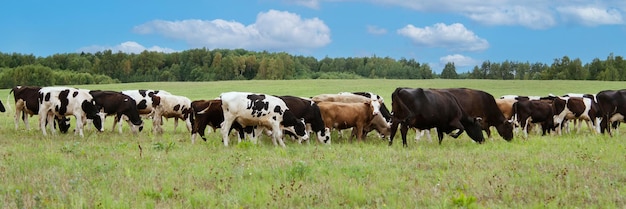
column 238, row 64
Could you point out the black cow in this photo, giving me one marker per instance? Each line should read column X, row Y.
column 310, row 112
column 27, row 104
column 118, row 104
column 209, row 113
column 481, row 104
column 612, row 105
column 535, row 111
column 426, row 109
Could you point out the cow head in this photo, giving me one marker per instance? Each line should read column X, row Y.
column 505, row 130
column 64, row 124
column 324, row 135
column 474, row 129
column 299, row 127
column 132, row 112
column 92, row 112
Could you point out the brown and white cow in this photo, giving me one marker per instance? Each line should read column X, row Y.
column 348, row 98
column 170, row 106
column 27, row 104
column 426, row 109
column 118, row 104
column 309, row 111
column 381, row 122
column 576, row 108
column 262, row 110
column 65, row 101
column 341, row 115
column 209, row 113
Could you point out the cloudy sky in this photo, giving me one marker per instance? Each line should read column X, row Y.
column 466, row 32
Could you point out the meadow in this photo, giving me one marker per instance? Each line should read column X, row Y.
column 113, row 170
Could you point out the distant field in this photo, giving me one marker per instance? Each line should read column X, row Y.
column 112, row 170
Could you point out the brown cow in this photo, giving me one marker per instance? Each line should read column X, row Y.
column 341, row 115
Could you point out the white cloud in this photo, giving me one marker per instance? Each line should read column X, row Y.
column 454, row 37
column 372, row 29
column 273, row 30
column 458, row 60
column 591, row 16
column 314, row 4
column 535, row 14
column 126, row 47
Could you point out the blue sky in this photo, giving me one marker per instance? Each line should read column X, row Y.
column 466, row 32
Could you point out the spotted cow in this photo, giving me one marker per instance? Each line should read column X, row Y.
column 170, row 106
column 254, row 109
column 65, row 101
column 27, row 104
column 309, row 111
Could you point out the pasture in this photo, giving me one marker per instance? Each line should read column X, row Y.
column 112, row 170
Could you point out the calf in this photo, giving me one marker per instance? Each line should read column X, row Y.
column 341, row 115
column 118, row 104
column 64, row 101
column 27, row 104
column 310, row 112
column 253, row 109
column 170, row 106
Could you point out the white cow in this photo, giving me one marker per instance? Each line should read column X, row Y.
column 170, row 106
column 65, row 101
column 252, row 109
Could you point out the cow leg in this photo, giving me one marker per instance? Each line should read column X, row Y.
column 80, row 124
column 440, row 135
column 359, row 133
column 403, row 131
column 277, row 135
column 226, row 129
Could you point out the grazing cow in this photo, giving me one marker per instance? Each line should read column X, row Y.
column 208, row 113
column 576, row 108
column 535, row 111
column 64, row 101
column 612, row 105
column 426, row 109
column 170, row 106
column 27, row 104
column 340, row 115
column 349, row 98
column 481, row 104
column 112, row 102
column 143, row 98
column 252, row 109
column 310, row 112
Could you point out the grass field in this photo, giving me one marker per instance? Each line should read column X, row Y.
column 112, row 170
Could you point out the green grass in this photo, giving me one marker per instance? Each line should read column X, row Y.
column 111, row 170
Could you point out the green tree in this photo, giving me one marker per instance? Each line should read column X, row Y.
column 449, row 71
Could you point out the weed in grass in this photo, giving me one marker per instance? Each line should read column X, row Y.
column 461, row 200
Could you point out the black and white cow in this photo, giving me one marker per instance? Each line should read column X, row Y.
column 27, row 104
column 252, row 109
column 65, row 101
column 118, row 104
column 170, row 106
column 310, row 112
column 612, row 105
column 143, row 98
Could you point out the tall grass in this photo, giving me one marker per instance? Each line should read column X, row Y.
column 112, row 170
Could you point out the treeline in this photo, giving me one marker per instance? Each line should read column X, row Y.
column 239, row 64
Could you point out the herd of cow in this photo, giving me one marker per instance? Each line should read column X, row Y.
column 450, row 111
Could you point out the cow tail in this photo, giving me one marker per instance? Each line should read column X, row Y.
column 8, row 103
column 403, row 108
